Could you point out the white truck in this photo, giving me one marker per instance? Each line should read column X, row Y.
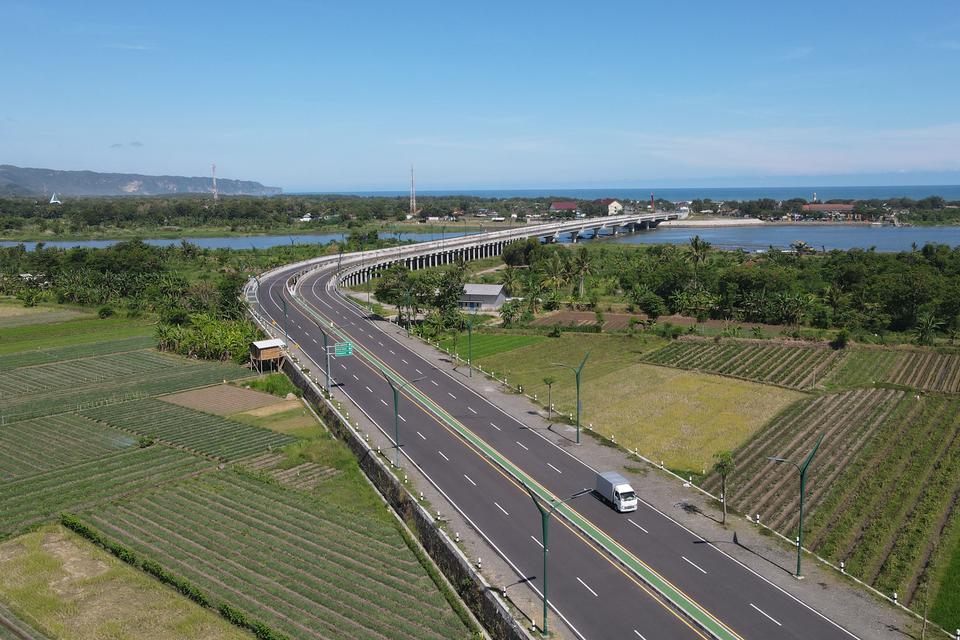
column 616, row 490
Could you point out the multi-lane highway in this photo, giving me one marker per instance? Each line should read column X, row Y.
column 637, row 575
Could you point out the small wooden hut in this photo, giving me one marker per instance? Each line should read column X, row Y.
column 267, row 354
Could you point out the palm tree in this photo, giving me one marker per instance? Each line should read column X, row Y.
column 723, row 468
column 549, row 380
column 699, row 248
column 512, row 282
column 554, row 274
column 581, row 267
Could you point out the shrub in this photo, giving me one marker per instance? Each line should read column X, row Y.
column 276, row 384
column 555, row 331
column 105, row 311
column 841, row 340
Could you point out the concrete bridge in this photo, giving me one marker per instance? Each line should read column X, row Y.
column 358, row 268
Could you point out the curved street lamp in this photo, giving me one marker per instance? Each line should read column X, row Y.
column 577, row 371
column 802, row 470
column 545, row 513
column 396, row 389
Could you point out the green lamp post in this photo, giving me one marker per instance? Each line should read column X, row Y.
column 396, row 389
column 802, row 469
column 577, row 371
column 545, row 513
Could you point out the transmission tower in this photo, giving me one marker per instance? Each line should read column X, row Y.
column 413, row 193
column 213, row 170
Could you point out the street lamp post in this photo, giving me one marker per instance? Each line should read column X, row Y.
column 545, row 514
column 326, row 355
column 577, row 371
column 470, row 319
column 396, row 389
column 284, row 301
column 802, row 469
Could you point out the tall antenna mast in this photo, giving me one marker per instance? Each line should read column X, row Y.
column 213, row 170
column 413, row 192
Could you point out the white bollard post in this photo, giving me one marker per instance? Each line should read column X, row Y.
column 758, row 519
column 843, row 567
column 479, row 564
column 421, row 496
column 895, row 598
column 457, row 536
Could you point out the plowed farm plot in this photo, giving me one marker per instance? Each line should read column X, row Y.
column 882, row 491
column 796, row 367
column 305, row 567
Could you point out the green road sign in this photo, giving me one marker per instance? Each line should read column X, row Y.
column 342, row 349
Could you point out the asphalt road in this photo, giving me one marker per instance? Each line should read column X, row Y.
column 596, row 596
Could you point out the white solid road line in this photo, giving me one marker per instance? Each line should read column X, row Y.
column 451, row 395
column 472, row 411
column 421, row 435
column 384, row 402
column 469, row 480
column 588, row 587
column 539, row 544
column 444, row 457
column 637, row 526
column 554, row 468
column 769, row 617
column 495, row 427
column 501, row 509
column 694, row 565
column 639, row 635
column 521, row 444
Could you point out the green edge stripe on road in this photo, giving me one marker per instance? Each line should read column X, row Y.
column 693, row 610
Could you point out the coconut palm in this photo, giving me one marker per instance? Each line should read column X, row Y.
column 699, row 248
column 581, row 267
column 512, row 281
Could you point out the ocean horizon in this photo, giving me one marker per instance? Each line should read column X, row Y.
column 853, row 192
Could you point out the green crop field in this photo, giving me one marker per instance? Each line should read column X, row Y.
column 42, row 496
column 42, row 444
column 56, row 387
column 44, row 356
column 194, row 430
column 83, row 330
column 305, row 567
column 918, row 369
column 798, row 367
column 881, row 492
column 488, row 344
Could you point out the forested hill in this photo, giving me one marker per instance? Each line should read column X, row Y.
column 21, row 181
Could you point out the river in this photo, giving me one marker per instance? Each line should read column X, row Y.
column 749, row 238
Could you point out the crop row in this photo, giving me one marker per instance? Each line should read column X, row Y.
column 33, row 498
column 927, row 370
column 304, row 568
column 864, row 367
column 12, row 628
column 34, row 446
column 789, row 366
column 177, row 375
column 201, row 432
column 85, row 371
column 73, row 352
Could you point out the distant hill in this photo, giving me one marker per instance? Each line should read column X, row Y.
column 22, row 181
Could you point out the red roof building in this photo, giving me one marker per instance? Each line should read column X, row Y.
column 563, row 206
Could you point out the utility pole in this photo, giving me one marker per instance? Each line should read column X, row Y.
column 470, row 320
column 577, row 371
column 326, row 355
column 802, row 469
column 545, row 514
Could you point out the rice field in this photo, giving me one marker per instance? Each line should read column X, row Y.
column 797, row 367
column 44, row 356
column 196, row 431
column 488, row 344
column 304, row 567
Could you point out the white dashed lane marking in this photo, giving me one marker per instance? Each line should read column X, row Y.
column 443, row 456
column 692, row 564
column 469, row 480
column 472, row 411
column 637, row 526
column 495, row 427
column 539, row 544
column 554, row 468
column 421, row 435
column 501, row 509
column 766, row 614
column 521, row 444
column 588, row 587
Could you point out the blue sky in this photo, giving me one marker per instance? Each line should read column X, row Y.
column 312, row 95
